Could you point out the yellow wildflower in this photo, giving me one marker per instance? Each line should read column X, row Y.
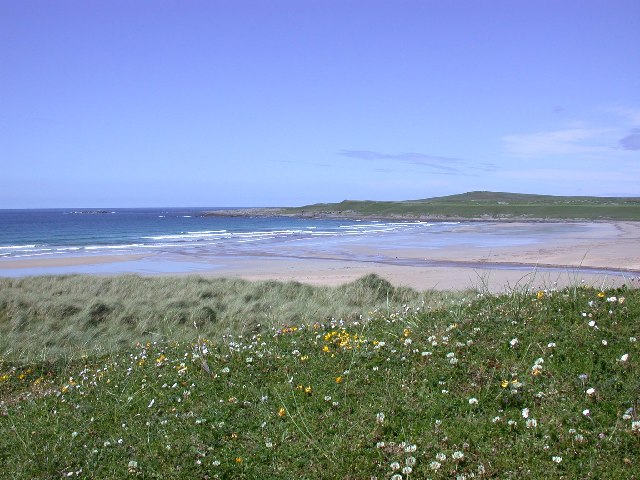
column 338, row 379
column 282, row 412
column 504, row 384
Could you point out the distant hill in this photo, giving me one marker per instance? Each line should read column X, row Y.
column 484, row 205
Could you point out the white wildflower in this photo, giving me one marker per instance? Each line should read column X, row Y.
column 556, row 459
column 435, row 465
column 473, row 401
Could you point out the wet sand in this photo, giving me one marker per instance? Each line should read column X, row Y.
column 599, row 254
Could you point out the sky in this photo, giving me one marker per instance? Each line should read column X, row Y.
column 143, row 103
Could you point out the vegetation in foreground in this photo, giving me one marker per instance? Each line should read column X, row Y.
column 523, row 385
column 49, row 317
column 483, row 205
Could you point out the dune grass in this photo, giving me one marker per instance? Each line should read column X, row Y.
column 522, row 385
column 51, row 316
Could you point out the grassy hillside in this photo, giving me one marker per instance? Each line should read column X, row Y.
column 49, row 316
column 489, row 204
column 525, row 385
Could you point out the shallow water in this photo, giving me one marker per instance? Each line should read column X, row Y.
column 178, row 241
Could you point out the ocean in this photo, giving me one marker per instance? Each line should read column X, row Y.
column 63, row 232
column 183, row 240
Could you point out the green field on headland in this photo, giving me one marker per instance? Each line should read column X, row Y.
column 195, row 378
column 495, row 205
column 467, row 206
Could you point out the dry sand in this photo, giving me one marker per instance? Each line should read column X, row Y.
column 575, row 258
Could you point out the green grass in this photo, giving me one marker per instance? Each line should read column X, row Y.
column 479, row 205
column 50, row 316
column 304, row 400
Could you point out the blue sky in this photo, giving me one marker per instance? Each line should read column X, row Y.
column 289, row 102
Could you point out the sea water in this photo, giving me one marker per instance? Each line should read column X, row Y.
column 182, row 240
column 63, row 232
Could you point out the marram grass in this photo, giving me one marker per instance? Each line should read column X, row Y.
column 56, row 316
column 526, row 385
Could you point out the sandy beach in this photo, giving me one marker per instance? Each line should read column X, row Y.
column 598, row 254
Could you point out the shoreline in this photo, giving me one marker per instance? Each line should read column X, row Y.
column 596, row 253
